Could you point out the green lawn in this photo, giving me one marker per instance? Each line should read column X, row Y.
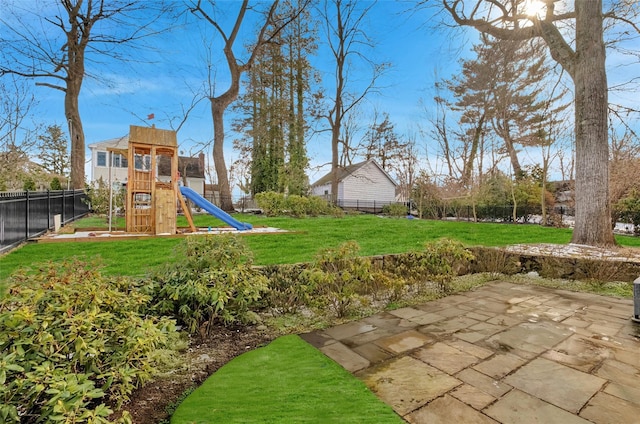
column 287, row 381
column 374, row 234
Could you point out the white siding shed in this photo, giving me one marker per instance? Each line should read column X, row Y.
column 363, row 184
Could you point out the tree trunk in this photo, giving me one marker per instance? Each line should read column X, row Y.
column 76, row 133
column 74, row 122
column 335, row 136
column 513, row 157
column 593, row 217
column 473, row 151
column 217, row 113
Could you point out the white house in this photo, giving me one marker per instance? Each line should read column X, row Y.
column 363, row 185
column 109, row 162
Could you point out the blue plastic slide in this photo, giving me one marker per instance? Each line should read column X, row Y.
column 203, row 203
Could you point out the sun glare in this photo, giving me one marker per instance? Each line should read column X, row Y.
column 534, row 8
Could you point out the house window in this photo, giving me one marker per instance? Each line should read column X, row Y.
column 326, row 192
column 118, row 160
column 102, row 159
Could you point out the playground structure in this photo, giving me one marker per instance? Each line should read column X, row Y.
column 150, row 202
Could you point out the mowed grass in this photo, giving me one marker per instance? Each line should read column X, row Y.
column 287, row 381
column 375, row 235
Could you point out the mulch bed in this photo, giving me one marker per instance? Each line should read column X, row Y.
column 203, row 357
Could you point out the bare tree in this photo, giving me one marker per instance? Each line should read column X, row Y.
column 347, row 39
column 51, row 44
column 585, row 63
column 407, row 167
column 270, row 26
column 350, row 127
column 17, row 136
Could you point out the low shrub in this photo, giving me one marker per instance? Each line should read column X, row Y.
column 495, row 262
column 289, row 290
column 70, row 339
column 213, row 280
column 271, row 203
column 340, row 277
column 274, row 204
column 55, row 184
column 439, row 262
column 395, row 209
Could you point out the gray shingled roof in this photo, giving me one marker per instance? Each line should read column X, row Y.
column 346, row 171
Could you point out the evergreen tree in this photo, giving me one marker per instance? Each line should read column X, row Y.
column 53, row 151
column 278, row 92
column 383, row 144
column 502, row 91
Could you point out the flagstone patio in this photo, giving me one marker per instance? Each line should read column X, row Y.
column 504, row 353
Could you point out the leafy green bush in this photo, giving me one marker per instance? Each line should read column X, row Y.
column 55, row 184
column 297, row 206
column 289, row 290
column 319, row 206
column 28, row 184
column 340, row 277
column 273, row 204
column 213, row 280
column 439, row 262
column 69, row 338
column 395, row 209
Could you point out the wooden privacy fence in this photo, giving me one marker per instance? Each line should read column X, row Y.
column 27, row 214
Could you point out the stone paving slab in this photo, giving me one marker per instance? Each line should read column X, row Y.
column 472, row 396
column 520, row 408
column 404, row 342
column 605, row 408
column 406, row 383
column 447, row 410
column 349, row 360
column 572, row 392
column 505, row 353
column 444, row 357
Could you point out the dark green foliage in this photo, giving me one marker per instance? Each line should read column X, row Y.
column 70, row 339
column 52, row 150
column 28, row 184
column 213, row 280
column 55, row 184
column 274, row 204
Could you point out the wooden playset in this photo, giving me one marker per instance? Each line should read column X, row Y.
column 151, row 202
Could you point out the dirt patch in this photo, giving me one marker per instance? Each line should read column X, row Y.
column 202, row 358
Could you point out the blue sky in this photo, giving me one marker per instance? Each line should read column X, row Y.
column 135, row 90
column 418, row 49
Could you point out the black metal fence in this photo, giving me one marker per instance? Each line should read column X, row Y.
column 369, row 206
column 524, row 213
column 27, row 214
column 492, row 213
